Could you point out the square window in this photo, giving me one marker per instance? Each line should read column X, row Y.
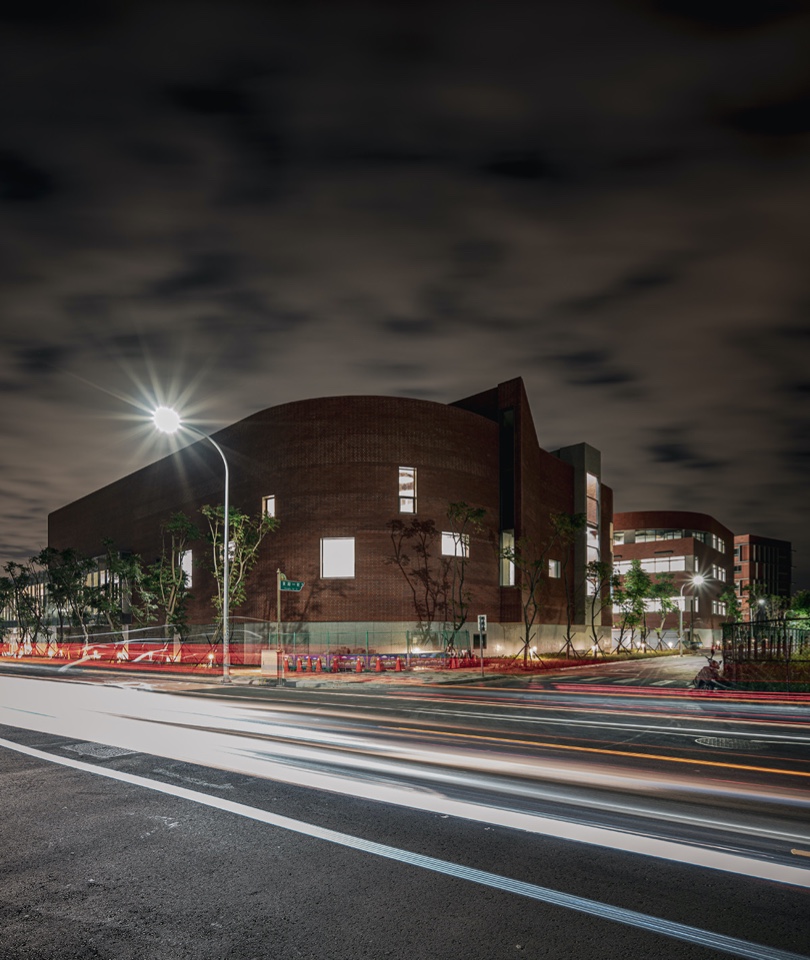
column 455, row 544
column 337, row 557
column 269, row 506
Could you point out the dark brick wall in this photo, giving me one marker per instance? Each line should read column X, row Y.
column 332, row 465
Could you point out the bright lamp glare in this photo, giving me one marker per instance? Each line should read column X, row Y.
column 166, row 420
column 698, row 579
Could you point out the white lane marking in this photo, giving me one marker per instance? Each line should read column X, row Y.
column 677, row 931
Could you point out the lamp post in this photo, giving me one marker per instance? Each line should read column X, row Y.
column 168, row 421
column 695, row 581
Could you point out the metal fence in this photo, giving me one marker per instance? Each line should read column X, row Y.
column 767, row 655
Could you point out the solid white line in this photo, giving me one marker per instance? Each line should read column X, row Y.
column 677, row 931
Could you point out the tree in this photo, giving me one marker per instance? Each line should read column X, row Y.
column 245, row 534
column 630, row 598
column 530, row 560
column 567, row 528
column 72, row 599
column 732, row 603
column 601, row 581
column 166, row 582
column 121, row 580
column 426, row 574
column 27, row 595
column 661, row 593
column 464, row 521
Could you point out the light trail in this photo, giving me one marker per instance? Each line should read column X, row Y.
column 657, row 925
column 156, row 725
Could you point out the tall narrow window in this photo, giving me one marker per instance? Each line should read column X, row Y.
column 269, row 506
column 337, row 557
column 407, row 489
column 554, row 569
column 507, row 561
column 185, row 566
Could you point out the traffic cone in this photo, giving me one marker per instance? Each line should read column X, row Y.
column 335, row 664
column 359, row 666
column 309, row 664
column 380, row 668
column 398, row 667
column 318, row 666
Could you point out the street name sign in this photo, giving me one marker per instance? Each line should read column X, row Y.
column 294, row 585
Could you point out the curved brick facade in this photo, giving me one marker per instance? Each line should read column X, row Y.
column 333, row 465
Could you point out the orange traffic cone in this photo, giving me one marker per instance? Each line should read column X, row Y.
column 359, row 666
column 380, row 668
column 318, row 666
column 398, row 667
column 335, row 664
column 309, row 664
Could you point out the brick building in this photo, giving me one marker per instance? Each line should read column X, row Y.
column 336, row 472
column 762, row 566
column 684, row 544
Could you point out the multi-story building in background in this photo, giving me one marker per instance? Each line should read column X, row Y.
column 762, row 567
column 687, row 545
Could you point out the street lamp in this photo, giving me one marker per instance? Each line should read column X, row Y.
column 168, row 421
column 695, row 581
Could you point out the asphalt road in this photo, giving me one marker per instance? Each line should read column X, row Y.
column 570, row 819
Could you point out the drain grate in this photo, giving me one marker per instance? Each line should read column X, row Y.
column 728, row 743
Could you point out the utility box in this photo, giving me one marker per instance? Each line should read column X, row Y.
column 269, row 663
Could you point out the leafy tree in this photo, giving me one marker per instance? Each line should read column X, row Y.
column 245, row 534
column 800, row 606
column 121, row 580
column 567, row 528
column 530, row 560
column 26, row 592
column 166, row 584
column 72, row 599
column 426, row 572
column 732, row 602
column 630, row 597
column 601, row 582
column 464, row 521
column 661, row 593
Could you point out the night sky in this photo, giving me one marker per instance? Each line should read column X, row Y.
column 236, row 205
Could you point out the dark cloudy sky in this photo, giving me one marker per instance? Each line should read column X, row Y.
column 242, row 204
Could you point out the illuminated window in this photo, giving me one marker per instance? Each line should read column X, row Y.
column 718, row 544
column 719, row 573
column 592, row 540
column 185, row 566
column 269, row 506
column 407, row 489
column 507, row 563
column 455, row 544
column 653, row 565
column 719, row 607
column 554, row 569
column 337, row 557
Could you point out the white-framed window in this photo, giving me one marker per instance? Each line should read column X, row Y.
column 719, row 573
column 407, row 489
column 507, row 564
column 337, row 557
column 718, row 543
column 719, row 607
column 269, row 505
column 185, row 566
column 554, row 569
column 455, row 544
column 618, row 537
column 592, row 541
